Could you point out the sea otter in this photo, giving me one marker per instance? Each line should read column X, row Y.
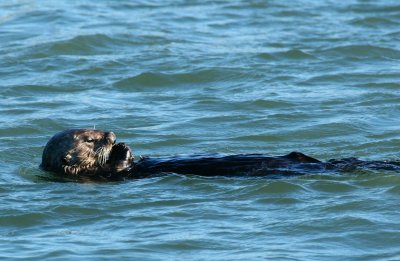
column 95, row 154
column 84, row 152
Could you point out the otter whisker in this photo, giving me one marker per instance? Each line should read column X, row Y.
column 102, row 155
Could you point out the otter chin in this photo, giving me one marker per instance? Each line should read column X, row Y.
column 83, row 152
column 95, row 154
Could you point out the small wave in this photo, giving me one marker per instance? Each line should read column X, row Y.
column 373, row 8
column 92, row 44
column 381, row 85
column 332, row 186
column 362, row 51
column 295, row 13
column 374, row 21
column 253, row 5
column 335, row 128
column 270, row 104
column 144, row 79
column 250, row 104
column 151, row 79
column 278, row 201
column 39, row 89
column 83, row 45
column 24, row 219
column 394, row 190
column 35, row 89
column 349, row 78
column 294, row 54
column 257, row 137
column 168, row 143
column 27, row 15
column 278, row 187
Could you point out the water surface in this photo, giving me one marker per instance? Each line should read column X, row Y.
column 183, row 77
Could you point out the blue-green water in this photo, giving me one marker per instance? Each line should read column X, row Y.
column 182, row 77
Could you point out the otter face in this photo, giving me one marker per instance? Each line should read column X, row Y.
column 78, row 150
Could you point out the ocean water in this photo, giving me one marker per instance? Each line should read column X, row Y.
column 185, row 77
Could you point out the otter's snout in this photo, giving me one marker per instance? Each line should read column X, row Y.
column 111, row 138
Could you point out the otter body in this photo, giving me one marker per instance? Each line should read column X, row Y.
column 94, row 154
column 228, row 165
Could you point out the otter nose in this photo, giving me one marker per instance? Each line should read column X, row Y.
column 111, row 137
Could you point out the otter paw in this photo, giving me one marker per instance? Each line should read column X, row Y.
column 121, row 157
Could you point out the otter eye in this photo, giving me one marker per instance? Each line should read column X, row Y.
column 90, row 140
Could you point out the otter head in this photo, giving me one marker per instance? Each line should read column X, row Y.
column 77, row 151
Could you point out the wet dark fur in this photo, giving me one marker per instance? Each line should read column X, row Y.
column 82, row 152
column 62, row 156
